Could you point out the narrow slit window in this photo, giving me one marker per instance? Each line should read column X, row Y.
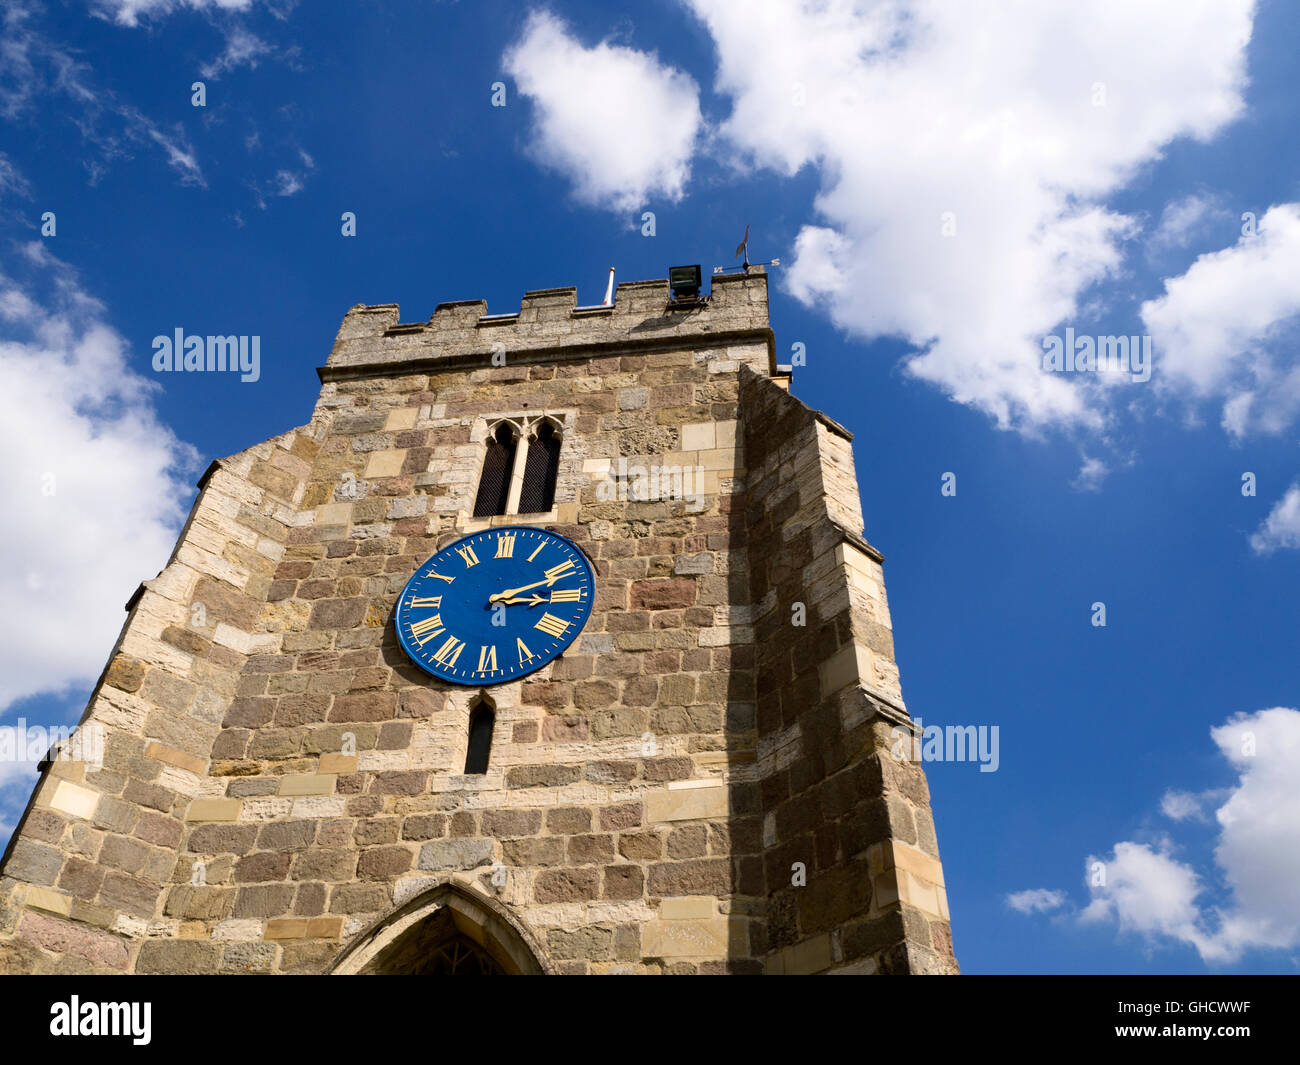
column 481, row 721
column 541, row 470
column 494, row 484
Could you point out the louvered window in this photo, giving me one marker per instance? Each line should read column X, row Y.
column 494, row 485
column 541, row 468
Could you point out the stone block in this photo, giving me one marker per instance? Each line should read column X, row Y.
column 171, row 756
column 384, row 464
column 286, row 928
column 582, row 943
column 76, row 940
column 326, row 927
column 35, row 863
column 566, row 885
column 705, row 938
column 698, row 436
column 701, row 876
column 687, row 804
column 400, row 419
column 851, row 664
column 688, row 908
column 74, row 800
column 214, row 810
column 44, row 898
column 307, row 784
column 456, row 854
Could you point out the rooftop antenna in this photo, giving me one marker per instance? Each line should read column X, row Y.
column 609, row 290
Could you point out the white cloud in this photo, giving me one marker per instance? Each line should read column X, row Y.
column 287, row 182
column 93, row 493
column 1092, row 473
column 1180, row 805
column 1036, row 900
column 1148, row 891
column 180, row 154
column 12, row 181
column 35, row 68
column 19, row 80
column 19, row 773
column 128, row 12
column 1282, row 526
column 15, row 789
column 1227, row 327
column 614, row 121
column 911, row 110
column 243, row 48
column 1184, row 219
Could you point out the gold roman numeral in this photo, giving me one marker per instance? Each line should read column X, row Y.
column 467, row 553
column 535, row 553
column 440, row 576
column 425, row 602
column 566, row 595
column 426, row 630
column 551, row 625
column 556, row 572
column 450, row 651
column 505, row 546
column 525, row 655
column 487, row 660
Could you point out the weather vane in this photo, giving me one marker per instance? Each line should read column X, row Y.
column 742, row 252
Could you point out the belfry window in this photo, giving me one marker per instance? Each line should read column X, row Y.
column 540, row 471
column 498, row 465
column 521, row 466
column 481, row 721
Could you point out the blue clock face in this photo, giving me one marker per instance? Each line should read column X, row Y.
column 495, row 606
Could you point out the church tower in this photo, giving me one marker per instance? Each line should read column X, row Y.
column 550, row 644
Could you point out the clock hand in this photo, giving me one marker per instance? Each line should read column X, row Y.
column 509, row 593
column 534, row 599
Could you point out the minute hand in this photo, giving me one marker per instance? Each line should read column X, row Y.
column 509, row 593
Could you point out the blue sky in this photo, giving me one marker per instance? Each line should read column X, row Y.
column 945, row 186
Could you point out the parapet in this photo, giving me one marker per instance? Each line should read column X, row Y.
column 550, row 323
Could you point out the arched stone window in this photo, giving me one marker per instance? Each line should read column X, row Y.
column 541, row 470
column 498, row 465
column 482, row 719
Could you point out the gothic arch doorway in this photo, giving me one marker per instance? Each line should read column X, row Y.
column 448, row 930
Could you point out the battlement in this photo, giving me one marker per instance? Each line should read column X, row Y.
column 549, row 322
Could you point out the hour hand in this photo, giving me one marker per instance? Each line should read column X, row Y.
column 533, row 599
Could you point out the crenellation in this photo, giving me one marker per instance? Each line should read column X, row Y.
column 549, row 323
